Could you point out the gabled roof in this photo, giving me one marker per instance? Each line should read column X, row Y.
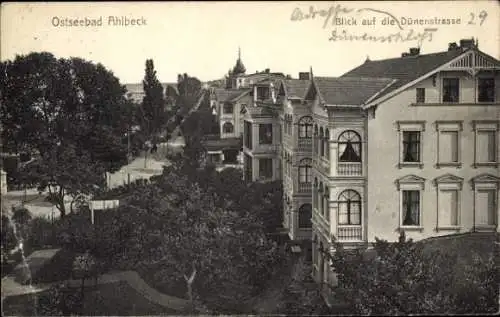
column 404, row 69
column 295, row 88
column 348, row 91
column 229, row 95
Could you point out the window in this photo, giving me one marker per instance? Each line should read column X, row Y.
column 305, row 169
column 449, row 189
column 315, row 140
column 228, row 108
column 305, row 127
column 247, row 133
column 247, row 162
column 486, row 137
column 411, row 188
column 411, row 146
column 265, row 133
column 449, row 135
column 321, row 201
column 349, row 147
column 228, row 127
column 448, row 208
column 263, row 93
column 486, row 215
column 326, row 198
column 410, row 134
column 265, row 168
column 486, row 146
column 420, row 95
column 486, row 90
column 411, row 208
column 305, row 215
column 349, row 208
column 486, row 207
column 450, row 90
column 321, row 141
column 327, row 144
column 315, row 195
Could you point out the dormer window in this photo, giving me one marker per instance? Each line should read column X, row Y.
column 486, row 90
column 263, row 93
column 228, row 108
column 451, row 90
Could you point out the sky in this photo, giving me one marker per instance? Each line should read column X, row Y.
column 202, row 38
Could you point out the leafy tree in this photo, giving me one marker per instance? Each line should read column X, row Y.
column 189, row 89
column 153, row 103
column 63, row 109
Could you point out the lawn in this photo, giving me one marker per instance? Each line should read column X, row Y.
column 113, row 299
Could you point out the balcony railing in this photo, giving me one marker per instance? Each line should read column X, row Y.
column 305, row 145
column 349, row 169
column 350, row 233
column 305, row 187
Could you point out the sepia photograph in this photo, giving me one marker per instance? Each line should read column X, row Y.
column 254, row 158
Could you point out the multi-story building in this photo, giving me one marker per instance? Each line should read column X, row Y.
column 229, row 105
column 403, row 144
column 406, row 144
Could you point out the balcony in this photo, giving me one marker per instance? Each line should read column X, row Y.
column 305, row 187
column 352, row 233
column 305, row 145
column 349, row 169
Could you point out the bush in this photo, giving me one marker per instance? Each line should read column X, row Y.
column 402, row 279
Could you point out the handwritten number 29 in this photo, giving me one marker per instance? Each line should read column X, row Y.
column 482, row 16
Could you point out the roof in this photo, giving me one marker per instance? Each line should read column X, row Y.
column 296, row 88
column 403, row 69
column 229, row 95
column 222, row 144
column 349, row 90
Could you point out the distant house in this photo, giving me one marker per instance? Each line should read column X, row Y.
column 136, row 91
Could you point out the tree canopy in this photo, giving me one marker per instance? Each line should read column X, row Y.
column 71, row 114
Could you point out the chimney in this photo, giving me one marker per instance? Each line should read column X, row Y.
column 304, row 76
column 452, row 46
column 414, row 51
column 467, row 43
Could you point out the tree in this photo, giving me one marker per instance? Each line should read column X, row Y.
column 176, row 225
column 153, row 103
column 61, row 110
column 189, row 89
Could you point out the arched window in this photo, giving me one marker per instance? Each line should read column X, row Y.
column 228, row 127
column 228, row 108
column 349, row 147
column 306, row 127
column 327, row 144
column 305, row 214
column 349, row 208
column 326, row 197
column 321, row 142
column 305, row 170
